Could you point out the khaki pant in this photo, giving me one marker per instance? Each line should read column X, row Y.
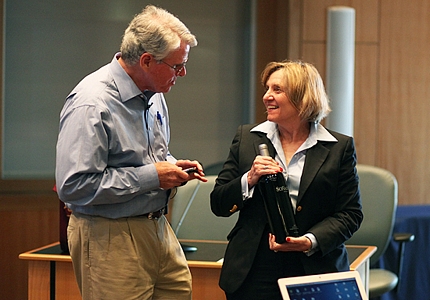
column 127, row 258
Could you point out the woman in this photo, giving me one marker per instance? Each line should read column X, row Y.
column 319, row 167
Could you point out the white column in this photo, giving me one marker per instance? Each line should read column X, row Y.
column 340, row 68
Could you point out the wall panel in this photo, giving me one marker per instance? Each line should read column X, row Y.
column 366, row 64
column 315, row 16
column 26, row 222
column 392, row 98
column 405, row 97
column 366, row 102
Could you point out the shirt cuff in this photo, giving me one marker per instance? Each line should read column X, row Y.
column 314, row 246
column 246, row 191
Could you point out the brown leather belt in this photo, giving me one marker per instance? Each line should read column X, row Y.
column 155, row 215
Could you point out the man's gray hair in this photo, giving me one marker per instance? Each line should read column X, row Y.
column 155, row 31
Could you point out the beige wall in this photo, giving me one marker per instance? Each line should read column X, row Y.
column 29, row 216
column 392, row 97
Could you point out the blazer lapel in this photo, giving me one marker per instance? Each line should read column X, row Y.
column 315, row 157
column 264, row 140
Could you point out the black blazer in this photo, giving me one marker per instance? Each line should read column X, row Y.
column 329, row 205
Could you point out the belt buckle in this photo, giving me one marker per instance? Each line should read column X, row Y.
column 156, row 215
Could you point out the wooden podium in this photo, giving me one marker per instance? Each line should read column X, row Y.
column 50, row 273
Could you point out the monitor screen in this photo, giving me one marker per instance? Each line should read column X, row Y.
column 330, row 290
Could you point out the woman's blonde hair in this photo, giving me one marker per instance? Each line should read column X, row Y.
column 303, row 86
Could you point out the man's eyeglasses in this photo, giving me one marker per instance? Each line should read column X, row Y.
column 178, row 68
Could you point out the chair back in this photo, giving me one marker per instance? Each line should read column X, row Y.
column 214, row 169
column 191, row 216
column 378, row 188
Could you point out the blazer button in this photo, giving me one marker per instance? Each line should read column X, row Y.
column 233, row 209
column 299, row 208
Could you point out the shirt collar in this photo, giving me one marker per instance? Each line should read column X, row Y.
column 317, row 133
column 126, row 86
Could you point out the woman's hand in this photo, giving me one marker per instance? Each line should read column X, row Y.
column 262, row 165
column 301, row 244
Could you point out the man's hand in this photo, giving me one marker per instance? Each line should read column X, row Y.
column 171, row 175
column 193, row 169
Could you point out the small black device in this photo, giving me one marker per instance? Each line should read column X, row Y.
column 191, row 170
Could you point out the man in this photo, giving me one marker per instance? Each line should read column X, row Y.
column 115, row 172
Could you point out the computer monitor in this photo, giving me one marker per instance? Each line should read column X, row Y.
column 330, row 286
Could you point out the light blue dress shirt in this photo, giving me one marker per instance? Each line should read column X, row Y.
column 294, row 169
column 107, row 145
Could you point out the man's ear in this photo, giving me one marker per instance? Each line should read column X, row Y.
column 145, row 60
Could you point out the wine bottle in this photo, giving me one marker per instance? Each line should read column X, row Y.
column 277, row 202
